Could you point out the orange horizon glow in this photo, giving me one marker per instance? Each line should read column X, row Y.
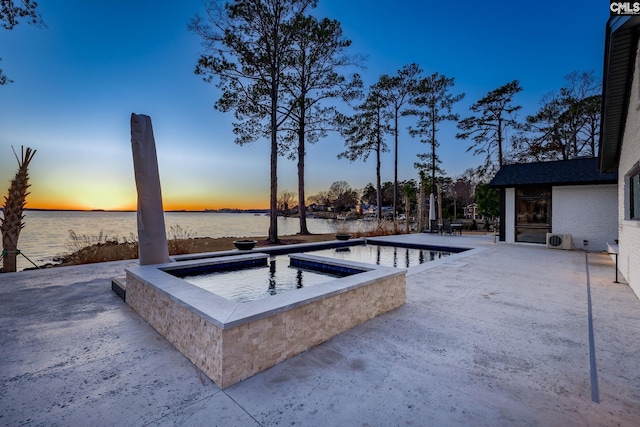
column 37, row 204
column 108, row 196
column 133, row 208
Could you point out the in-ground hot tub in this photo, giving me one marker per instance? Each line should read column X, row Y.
column 231, row 341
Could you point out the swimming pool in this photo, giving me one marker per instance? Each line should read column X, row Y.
column 231, row 341
column 385, row 255
column 273, row 277
column 276, row 274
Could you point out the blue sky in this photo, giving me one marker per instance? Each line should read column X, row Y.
column 77, row 81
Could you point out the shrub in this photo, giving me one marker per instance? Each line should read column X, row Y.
column 342, row 227
column 85, row 249
column 180, row 240
column 379, row 228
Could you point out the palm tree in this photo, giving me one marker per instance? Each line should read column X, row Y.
column 13, row 209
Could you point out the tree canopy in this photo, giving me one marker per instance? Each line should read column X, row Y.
column 488, row 200
column 248, row 44
column 489, row 127
column 364, row 134
column 341, row 196
column 398, row 90
column 312, row 77
column 11, row 12
column 433, row 103
column 567, row 124
column 283, row 74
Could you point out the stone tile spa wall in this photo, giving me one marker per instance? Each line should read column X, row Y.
column 232, row 341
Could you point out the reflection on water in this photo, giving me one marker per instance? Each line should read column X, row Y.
column 272, row 277
column 248, row 284
column 387, row 256
column 299, row 280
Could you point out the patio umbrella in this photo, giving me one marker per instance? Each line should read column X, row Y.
column 432, row 206
column 152, row 237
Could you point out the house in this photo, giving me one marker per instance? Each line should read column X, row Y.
column 620, row 136
column 471, row 211
column 366, row 209
column 564, row 197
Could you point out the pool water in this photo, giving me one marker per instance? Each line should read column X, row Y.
column 252, row 283
column 249, row 284
column 386, row 256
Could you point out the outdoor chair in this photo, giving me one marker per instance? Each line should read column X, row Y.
column 434, row 228
column 456, row 227
column 446, row 226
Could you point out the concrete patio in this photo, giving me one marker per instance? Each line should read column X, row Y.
column 495, row 336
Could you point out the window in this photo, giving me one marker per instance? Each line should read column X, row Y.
column 634, row 196
column 533, row 214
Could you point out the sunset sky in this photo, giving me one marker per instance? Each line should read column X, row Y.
column 77, row 82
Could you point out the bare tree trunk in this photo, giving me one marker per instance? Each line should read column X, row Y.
column 499, row 134
column 302, row 209
column 395, row 169
column 273, row 204
column 407, row 208
column 378, row 183
column 439, row 202
column 420, row 210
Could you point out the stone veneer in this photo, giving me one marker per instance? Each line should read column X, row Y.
column 232, row 341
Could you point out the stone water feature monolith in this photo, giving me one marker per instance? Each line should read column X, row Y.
column 152, row 237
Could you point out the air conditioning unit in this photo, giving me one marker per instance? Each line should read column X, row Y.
column 559, row 241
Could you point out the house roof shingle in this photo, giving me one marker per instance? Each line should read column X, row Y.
column 561, row 172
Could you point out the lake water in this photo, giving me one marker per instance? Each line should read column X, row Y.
column 46, row 233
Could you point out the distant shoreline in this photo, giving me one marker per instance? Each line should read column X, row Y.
column 224, row 210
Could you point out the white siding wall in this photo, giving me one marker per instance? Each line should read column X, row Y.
column 629, row 258
column 510, row 219
column 587, row 212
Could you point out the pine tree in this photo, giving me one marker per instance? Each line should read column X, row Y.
column 488, row 129
column 247, row 43
column 364, row 134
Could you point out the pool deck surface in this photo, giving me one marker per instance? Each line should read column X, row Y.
column 498, row 336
